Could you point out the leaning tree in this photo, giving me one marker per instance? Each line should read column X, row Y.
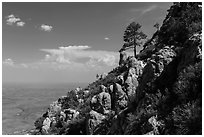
column 133, row 37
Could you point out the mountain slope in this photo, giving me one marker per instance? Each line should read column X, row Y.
column 160, row 92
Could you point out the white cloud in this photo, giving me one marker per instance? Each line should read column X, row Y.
column 81, row 56
column 148, row 9
column 11, row 20
column 20, row 24
column 144, row 9
column 74, row 58
column 8, row 62
column 106, row 38
column 45, row 27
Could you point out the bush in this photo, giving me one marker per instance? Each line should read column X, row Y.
column 183, row 20
column 189, row 84
column 186, row 119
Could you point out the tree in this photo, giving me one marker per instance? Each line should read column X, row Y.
column 133, row 37
column 156, row 26
column 97, row 76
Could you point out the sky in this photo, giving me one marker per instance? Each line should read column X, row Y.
column 69, row 42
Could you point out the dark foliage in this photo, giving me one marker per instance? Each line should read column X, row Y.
column 183, row 20
column 189, row 84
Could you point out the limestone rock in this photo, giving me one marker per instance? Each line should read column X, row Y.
column 103, row 75
column 132, row 61
column 119, row 98
column 105, row 100
column 155, row 125
column 71, row 113
column 165, row 55
column 155, row 66
column 131, row 83
column 102, row 101
column 123, row 57
column 94, row 120
column 46, row 126
column 102, row 88
column 86, row 92
column 120, row 79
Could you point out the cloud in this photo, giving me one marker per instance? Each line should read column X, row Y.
column 106, row 38
column 46, row 28
column 81, row 56
column 144, row 9
column 20, row 24
column 148, row 9
column 11, row 20
column 8, row 62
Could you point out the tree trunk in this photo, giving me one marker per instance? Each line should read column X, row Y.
column 135, row 48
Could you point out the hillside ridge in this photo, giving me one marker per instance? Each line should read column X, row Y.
column 157, row 93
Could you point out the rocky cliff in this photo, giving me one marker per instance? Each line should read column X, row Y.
column 158, row 92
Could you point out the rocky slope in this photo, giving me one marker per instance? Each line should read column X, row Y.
column 160, row 92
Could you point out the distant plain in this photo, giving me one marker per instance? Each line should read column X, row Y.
column 22, row 104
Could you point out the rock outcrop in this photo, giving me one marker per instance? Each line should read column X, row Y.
column 94, row 120
column 123, row 57
column 158, row 92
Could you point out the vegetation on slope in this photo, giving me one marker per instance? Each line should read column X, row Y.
column 168, row 97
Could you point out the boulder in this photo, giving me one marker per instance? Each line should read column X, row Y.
column 165, row 55
column 95, row 104
column 101, row 102
column 105, row 101
column 102, row 88
column 150, row 133
column 155, row 67
column 118, row 98
column 131, row 83
column 94, row 119
column 103, row 75
column 62, row 116
column 85, row 92
column 46, row 126
column 78, row 89
column 120, row 79
column 148, row 74
column 110, row 89
column 123, row 57
column 71, row 113
column 132, row 62
column 155, row 125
